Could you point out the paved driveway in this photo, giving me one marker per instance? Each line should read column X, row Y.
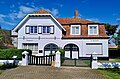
column 46, row 72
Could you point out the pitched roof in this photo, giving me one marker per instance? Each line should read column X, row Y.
column 42, row 12
column 84, row 32
column 73, row 20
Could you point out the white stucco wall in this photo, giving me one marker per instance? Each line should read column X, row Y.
column 44, row 39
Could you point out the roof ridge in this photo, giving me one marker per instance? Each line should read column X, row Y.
column 42, row 11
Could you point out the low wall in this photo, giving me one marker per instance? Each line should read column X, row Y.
column 108, row 64
column 17, row 62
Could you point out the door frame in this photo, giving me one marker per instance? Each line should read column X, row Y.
column 71, row 49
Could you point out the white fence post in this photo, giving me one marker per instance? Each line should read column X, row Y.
column 25, row 58
column 94, row 61
column 57, row 59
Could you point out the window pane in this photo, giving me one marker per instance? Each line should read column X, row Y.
column 93, row 29
column 44, row 29
column 73, row 30
column 31, row 46
column 36, row 47
column 31, row 29
column 35, row 29
column 48, row 29
column 90, row 27
column 25, row 46
column 77, row 30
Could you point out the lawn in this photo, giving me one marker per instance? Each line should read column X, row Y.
column 113, row 73
column 110, row 74
column 110, row 60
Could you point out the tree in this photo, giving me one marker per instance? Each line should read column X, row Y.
column 110, row 29
column 1, row 42
column 118, row 37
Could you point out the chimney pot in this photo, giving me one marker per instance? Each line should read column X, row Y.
column 76, row 14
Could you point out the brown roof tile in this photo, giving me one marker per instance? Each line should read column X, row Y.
column 84, row 32
column 66, row 22
column 73, row 20
column 42, row 12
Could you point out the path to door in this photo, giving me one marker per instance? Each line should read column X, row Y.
column 47, row 72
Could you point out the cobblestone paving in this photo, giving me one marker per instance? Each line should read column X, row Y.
column 47, row 72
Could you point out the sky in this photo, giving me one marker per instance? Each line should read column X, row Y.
column 103, row 11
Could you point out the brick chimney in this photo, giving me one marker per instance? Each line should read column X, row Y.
column 76, row 14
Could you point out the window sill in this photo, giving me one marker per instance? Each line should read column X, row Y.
column 92, row 34
column 45, row 33
column 74, row 34
column 33, row 33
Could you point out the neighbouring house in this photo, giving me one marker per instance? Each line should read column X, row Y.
column 45, row 34
column 112, row 43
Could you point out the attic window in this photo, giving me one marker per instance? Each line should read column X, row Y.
column 48, row 29
column 75, row 30
column 92, row 29
column 33, row 29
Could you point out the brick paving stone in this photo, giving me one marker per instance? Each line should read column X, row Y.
column 47, row 72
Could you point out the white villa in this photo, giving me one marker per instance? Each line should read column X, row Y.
column 45, row 34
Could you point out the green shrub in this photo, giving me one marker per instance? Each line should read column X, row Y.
column 62, row 51
column 9, row 53
column 7, row 66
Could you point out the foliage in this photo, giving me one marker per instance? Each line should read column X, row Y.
column 9, row 53
column 62, row 51
column 111, row 73
column 7, row 66
column 118, row 37
column 114, row 52
column 51, row 53
column 111, row 29
column 1, row 42
column 6, row 36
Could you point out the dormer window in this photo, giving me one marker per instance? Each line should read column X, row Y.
column 92, row 29
column 75, row 30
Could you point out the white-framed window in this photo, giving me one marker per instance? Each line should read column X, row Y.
column 46, row 29
column 33, row 29
column 75, row 30
column 31, row 46
column 92, row 29
column 40, row 29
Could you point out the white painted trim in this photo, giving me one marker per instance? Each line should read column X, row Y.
column 36, row 14
column 71, row 30
column 89, row 29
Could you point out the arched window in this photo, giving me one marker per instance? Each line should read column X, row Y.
column 71, row 47
column 51, row 48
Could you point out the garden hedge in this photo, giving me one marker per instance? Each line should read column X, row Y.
column 9, row 53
